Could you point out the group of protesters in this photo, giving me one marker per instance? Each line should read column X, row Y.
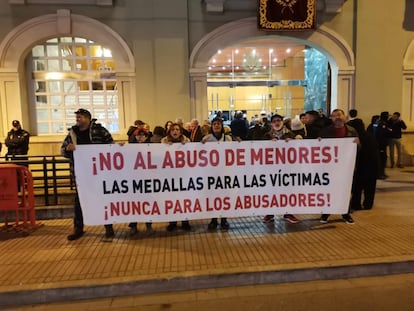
column 308, row 125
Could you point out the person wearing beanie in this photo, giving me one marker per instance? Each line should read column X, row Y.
column 217, row 134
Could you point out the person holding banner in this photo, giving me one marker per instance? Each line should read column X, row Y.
column 141, row 136
column 279, row 131
column 86, row 131
column 338, row 129
column 175, row 134
column 217, row 134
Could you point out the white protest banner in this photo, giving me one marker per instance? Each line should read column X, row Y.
column 161, row 182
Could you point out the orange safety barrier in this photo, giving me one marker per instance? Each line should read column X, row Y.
column 17, row 198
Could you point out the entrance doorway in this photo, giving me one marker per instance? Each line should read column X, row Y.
column 267, row 76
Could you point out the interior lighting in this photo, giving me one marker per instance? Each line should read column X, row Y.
column 53, row 76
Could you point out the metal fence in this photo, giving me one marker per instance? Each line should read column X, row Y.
column 51, row 175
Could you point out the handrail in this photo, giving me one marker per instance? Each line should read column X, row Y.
column 51, row 175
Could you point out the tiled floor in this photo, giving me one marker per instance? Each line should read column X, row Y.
column 45, row 260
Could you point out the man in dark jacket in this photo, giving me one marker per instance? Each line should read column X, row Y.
column 396, row 124
column 195, row 135
column 382, row 135
column 17, row 142
column 338, row 129
column 313, row 124
column 239, row 126
column 86, row 131
column 355, row 122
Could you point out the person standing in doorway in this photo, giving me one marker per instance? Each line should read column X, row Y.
column 86, row 131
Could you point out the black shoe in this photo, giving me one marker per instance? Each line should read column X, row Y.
column 324, row 218
column 172, row 226
column 77, row 233
column 109, row 232
column 348, row 219
column 186, row 226
column 224, row 225
column 213, row 224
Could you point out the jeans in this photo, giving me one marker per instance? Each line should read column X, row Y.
column 395, row 143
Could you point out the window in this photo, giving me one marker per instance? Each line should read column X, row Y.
column 70, row 73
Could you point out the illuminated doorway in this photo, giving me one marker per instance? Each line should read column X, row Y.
column 267, row 76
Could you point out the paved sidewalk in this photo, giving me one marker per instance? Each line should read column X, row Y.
column 45, row 267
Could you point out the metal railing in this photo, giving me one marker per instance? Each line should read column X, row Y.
column 51, row 175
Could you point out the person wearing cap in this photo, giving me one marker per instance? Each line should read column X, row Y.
column 17, row 142
column 279, row 131
column 86, row 131
column 132, row 128
column 217, row 134
column 298, row 128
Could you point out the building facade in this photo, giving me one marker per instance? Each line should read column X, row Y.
column 160, row 54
